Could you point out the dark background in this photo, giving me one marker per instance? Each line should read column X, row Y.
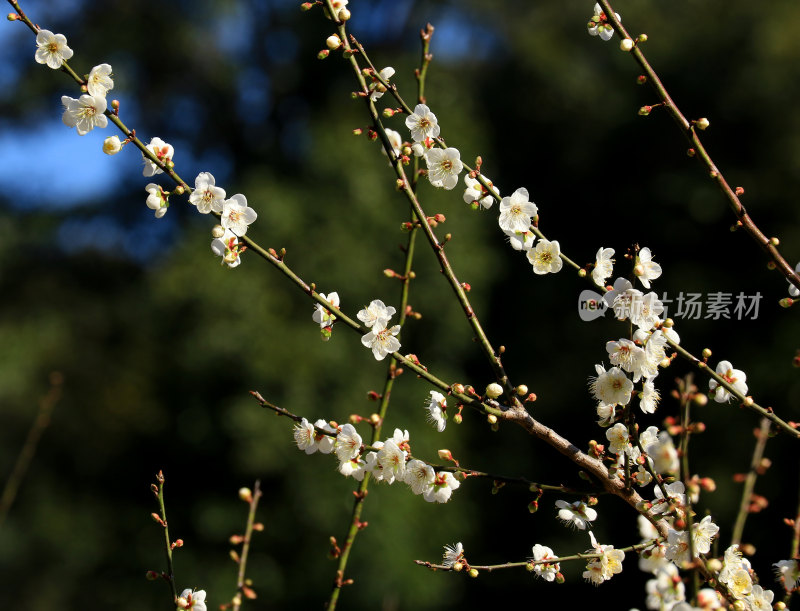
column 159, row 345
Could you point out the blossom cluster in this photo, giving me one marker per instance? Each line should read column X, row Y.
column 381, row 338
column 388, row 461
column 89, row 111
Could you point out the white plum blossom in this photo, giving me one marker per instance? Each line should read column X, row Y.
column 788, row 572
column 603, row 266
column 436, row 407
column 85, row 113
column 444, row 166
column 356, row 468
column 577, row 515
column 228, row 248
column 645, row 310
column 376, row 88
column 237, row 215
column 419, row 476
column 734, row 377
column 663, row 453
column 392, row 460
column 422, row 123
column 520, row 240
column 599, row 26
column 617, row 437
column 666, row 590
column 735, row 573
column 157, row 199
column 112, row 145
column 604, row 568
column 322, row 316
column 441, row 488
column 545, row 257
column 100, row 82
column 760, row 599
column 348, row 443
column 646, row 269
column 627, row 355
column 52, row 49
column 516, row 212
column 395, row 139
column 675, row 491
column 162, row 151
column 452, row 554
column 478, row 195
column 678, row 541
column 305, row 436
column 545, row 570
column 611, row 387
column 192, row 600
column 649, row 397
column 382, row 340
column 206, row 195
column 325, row 443
column 375, row 313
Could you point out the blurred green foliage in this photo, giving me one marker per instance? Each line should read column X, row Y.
column 159, row 345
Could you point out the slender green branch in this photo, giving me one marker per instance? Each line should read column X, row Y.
column 689, row 130
column 158, row 490
column 241, row 584
column 516, row 565
column 750, row 481
column 746, row 401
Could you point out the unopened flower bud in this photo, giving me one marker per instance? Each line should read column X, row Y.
column 559, row 578
column 494, row 390
column 458, row 419
column 12, row 17
column 582, row 273
column 473, row 572
column 458, row 566
column 388, row 112
column 706, row 353
column 246, row 495
column 702, row 123
column 445, row 454
column 151, row 575
column 323, row 54
column 179, row 190
column 522, row 390
column 626, row 44
column 641, row 79
column 491, row 419
column 306, row 6
column 333, row 42
column 218, row 231
column 458, row 388
column 344, row 15
column 112, row 145
column 182, row 603
column 642, row 38
column 645, row 110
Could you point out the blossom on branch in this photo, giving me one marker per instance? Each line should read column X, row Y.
column 545, row 570
column 604, row 568
column 599, row 26
column 441, row 488
column 162, row 151
column 611, row 387
column 476, row 194
column 419, row 476
column 646, row 269
column 603, row 266
column 545, row 257
column 206, row 195
column 348, row 443
column 437, row 410
column 734, row 377
column 444, row 166
column 157, row 199
column 577, row 515
column 85, row 113
column 324, row 317
column 100, row 82
column 452, row 554
column 376, row 313
column 516, row 212
column 192, row 601
column 422, row 123
column 376, row 88
column 52, row 49
column 228, row 248
column 237, row 215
